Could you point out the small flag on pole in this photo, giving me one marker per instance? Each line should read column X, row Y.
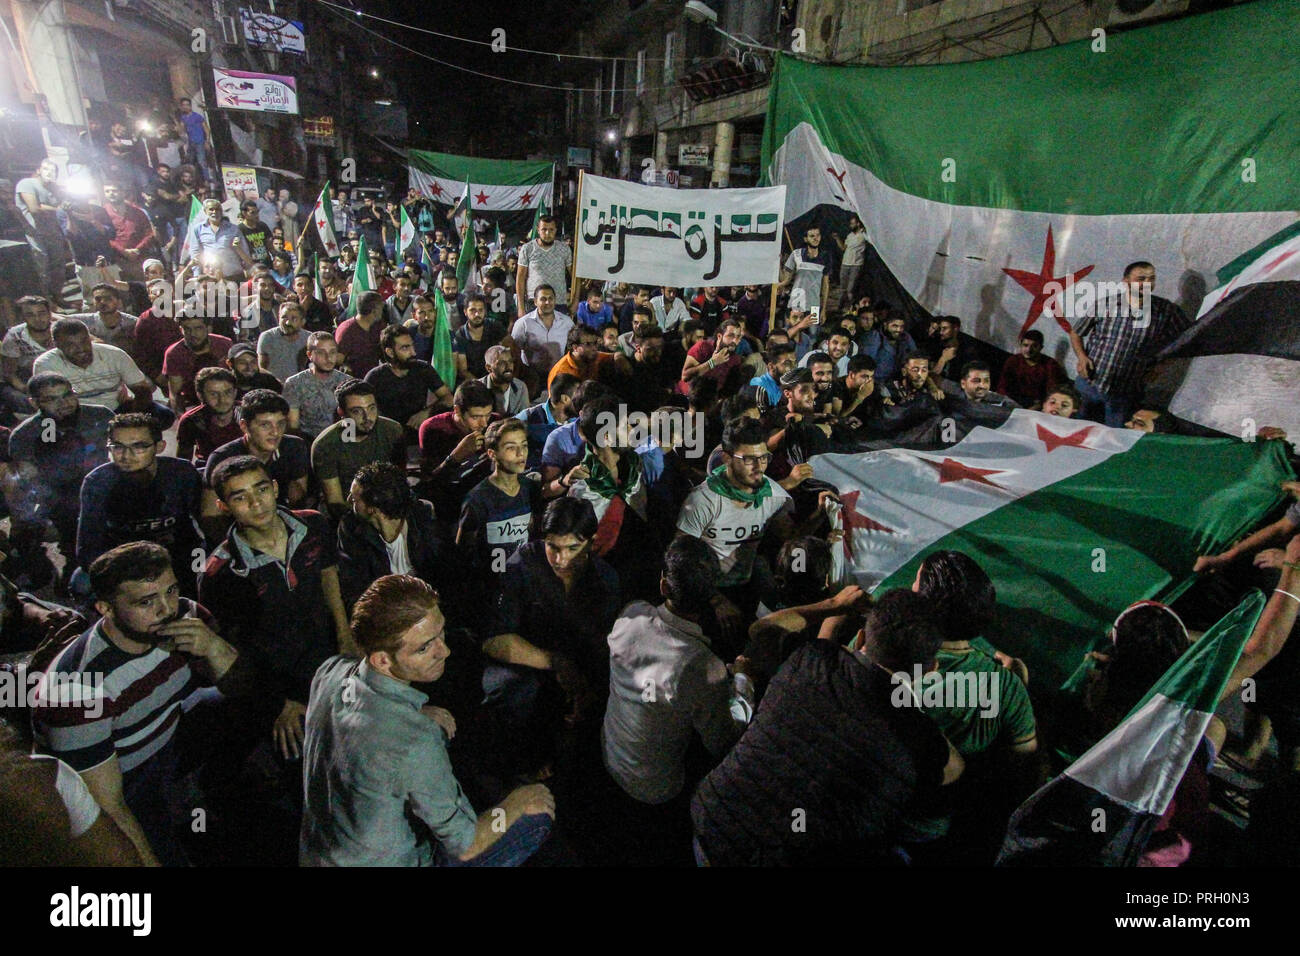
column 323, row 216
column 196, row 216
column 363, row 281
column 537, row 218
column 443, row 361
column 405, row 237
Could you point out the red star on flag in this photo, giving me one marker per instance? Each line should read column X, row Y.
column 481, row 198
column 435, row 189
column 525, row 199
column 856, row 519
column 1054, row 441
column 952, row 470
column 1034, row 283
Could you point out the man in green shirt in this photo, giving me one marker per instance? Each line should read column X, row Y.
column 361, row 436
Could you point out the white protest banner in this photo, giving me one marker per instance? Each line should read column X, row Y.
column 266, row 30
column 261, row 92
column 238, row 180
column 695, row 237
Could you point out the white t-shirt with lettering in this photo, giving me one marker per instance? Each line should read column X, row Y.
column 732, row 529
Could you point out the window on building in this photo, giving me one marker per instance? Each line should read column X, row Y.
column 640, row 72
column 670, row 56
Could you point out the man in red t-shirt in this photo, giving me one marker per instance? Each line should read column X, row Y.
column 358, row 337
column 713, row 358
column 1029, row 376
column 198, row 348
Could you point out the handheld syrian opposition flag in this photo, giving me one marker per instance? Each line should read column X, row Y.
column 1072, row 520
column 983, row 184
column 317, row 289
column 460, row 212
column 362, row 280
column 498, row 185
column 443, row 362
column 1237, row 368
column 537, row 220
column 1103, row 809
column 406, row 236
column 469, row 244
column 323, row 216
column 196, row 216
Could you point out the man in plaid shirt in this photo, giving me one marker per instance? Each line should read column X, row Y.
column 1123, row 337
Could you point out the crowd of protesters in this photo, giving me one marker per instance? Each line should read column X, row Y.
column 569, row 600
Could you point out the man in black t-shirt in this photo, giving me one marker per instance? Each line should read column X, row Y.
column 839, row 743
column 407, row 390
column 256, row 233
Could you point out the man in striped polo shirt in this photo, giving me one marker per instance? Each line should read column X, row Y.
column 113, row 703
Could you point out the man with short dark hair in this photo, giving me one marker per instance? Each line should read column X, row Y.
column 408, row 390
column 259, row 315
column 387, row 530
column 273, row 585
column 545, row 417
column 211, row 423
column 310, row 393
column 282, row 351
column 108, row 322
column 948, row 352
column 831, row 745
column 887, row 344
column 18, row 350
column 540, row 335
column 100, row 374
column 452, row 458
column 263, row 420
column 198, row 348
column 471, row 341
column 714, row 358
column 779, row 359
column 543, row 261
column 546, row 636
column 1062, row 401
column 141, row 494
column 971, row 399
column 806, row 273
column 366, row 723
column 509, row 394
column 360, row 436
column 1029, row 376
column 150, row 651
column 1123, row 337
column 249, row 376
column 358, row 337
column 317, row 316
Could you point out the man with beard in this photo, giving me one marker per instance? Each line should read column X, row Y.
column 316, row 314
column 509, row 394
column 133, row 236
column 583, row 358
column 542, row 262
column 215, row 235
column 887, row 344
column 452, row 458
column 1029, row 376
column 407, row 390
column 822, row 367
column 358, row 337
column 795, row 429
column 544, row 417
column 708, row 308
column 198, row 348
column 806, row 273
column 642, row 317
column 210, row 424
column 44, row 482
column 638, row 301
column 949, row 354
column 242, row 360
column 449, row 289
column 647, row 381
column 334, row 288
column 108, row 322
column 422, row 325
column 471, row 341
column 140, row 495
column 282, row 351
column 972, row 397
column 149, row 652
column 310, row 393
column 779, row 359
column 366, row 722
column 260, row 315
column 670, row 311
column 540, row 335
column 858, row 396
column 714, row 358
column 19, row 349
column 397, row 308
column 359, row 437
column 835, row 344
column 256, row 232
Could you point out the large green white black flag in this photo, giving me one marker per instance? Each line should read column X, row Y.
column 982, row 183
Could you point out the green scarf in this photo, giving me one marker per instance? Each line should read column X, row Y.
column 719, row 485
column 601, row 479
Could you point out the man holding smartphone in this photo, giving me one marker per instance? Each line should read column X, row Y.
column 806, row 274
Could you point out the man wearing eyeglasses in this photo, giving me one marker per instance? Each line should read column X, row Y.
column 731, row 511
column 141, row 495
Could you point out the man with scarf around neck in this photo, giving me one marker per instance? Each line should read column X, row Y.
column 631, row 534
column 732, row 511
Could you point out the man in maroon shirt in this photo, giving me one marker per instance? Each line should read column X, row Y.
column 198, row 348
column 452, row 455
column 358, row 337
column 713, row 358
column 134, row 237
column 155, row 329
column 1029, row 376
column 211, row 423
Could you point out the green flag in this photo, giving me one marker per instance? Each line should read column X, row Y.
column 537, row 218
column 443, row 362
column 196, row 215
column 362, row 281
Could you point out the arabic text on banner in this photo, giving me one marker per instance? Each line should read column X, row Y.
column 696, row 237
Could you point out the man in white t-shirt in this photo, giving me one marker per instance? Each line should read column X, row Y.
column 669, row 308
column 543, row 261
column 806, row 273
column 731, row 511
column 540, row 337
column 100, row 374
column 854, row 248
